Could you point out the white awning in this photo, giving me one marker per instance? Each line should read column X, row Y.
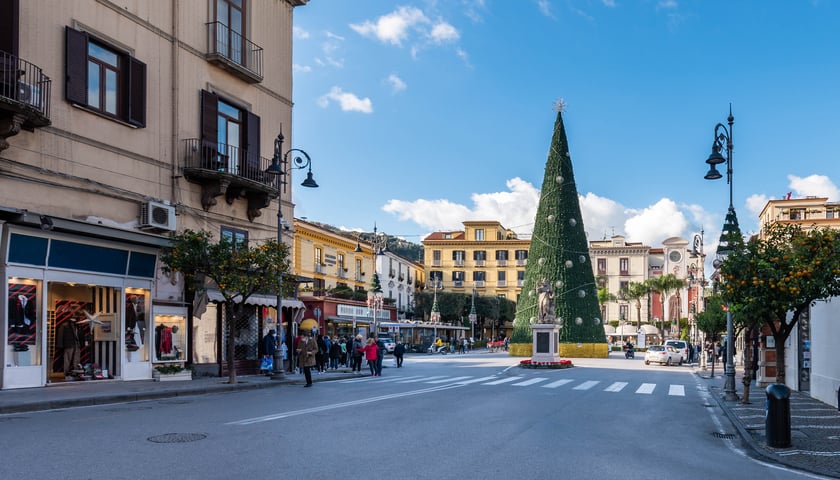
column 256, row 299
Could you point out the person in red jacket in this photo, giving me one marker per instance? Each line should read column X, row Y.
column 369, row 350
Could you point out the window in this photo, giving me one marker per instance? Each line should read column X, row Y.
column 479, row 276
column 623, row 286
column 230, row 137
column 458, row 275
column 318, row 257
column 602, row 266
column 231, row 14
column 520, row 275
column 479, row 255
column 340, row 262
column 104, row 79
column 436, row 258
column 500, row 276
column 521, row 257
column 458, row 257
column 479, row 234
column 501, row 254
column 797, row 213
column 235, row 236
column 436, row 276
column 622, row 311
column 358, row 267
column 624, row 266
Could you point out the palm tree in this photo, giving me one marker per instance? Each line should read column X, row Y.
column 635, row 292
column 604, row 296
column 664, row 285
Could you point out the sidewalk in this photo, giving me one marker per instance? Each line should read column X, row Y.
column 100, row 392
column 815, row 427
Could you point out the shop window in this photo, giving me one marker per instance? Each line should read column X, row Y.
column 170, row 335
column 23, row 333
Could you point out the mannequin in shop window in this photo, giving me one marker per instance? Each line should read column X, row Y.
column 21, row 322
column 135, row 323
column 67, row 338
column 164, row 345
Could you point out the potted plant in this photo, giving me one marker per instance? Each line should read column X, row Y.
column 171, row 372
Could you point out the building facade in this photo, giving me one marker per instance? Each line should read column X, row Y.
column 485, row 257
column 122, row 121
column 810, row 357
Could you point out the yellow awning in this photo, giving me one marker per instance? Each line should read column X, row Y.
column 308, row 325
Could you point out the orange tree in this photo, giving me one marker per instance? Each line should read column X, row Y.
column 776, row 279
column 238, row 270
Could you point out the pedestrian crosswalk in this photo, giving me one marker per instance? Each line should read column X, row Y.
column 674, row 390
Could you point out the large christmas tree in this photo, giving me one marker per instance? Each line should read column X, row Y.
column 559, row 259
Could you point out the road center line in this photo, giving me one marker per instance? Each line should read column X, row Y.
column 323, row 408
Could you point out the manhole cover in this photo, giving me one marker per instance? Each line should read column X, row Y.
column 177, row 437
column 724, row 435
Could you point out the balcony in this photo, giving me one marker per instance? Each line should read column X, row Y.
column 501, row 283
column 459, row 262
column 320, row 268
column 520, row 283
column 501, row 263
column 479, row 283
column 24, row 97
column 436, row 263
column 521, row 262
column 458, row 283
column 342, row 272
column 479, row 263
column 231, row 51
column 230, row 171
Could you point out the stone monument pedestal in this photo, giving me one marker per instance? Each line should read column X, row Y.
column 546, row 343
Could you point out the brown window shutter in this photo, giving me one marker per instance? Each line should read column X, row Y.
column 9, row 20
column 252, row 146
column 136, row 93
column 75, row 81
column 209, row 130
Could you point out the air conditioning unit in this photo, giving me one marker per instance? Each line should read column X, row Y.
column 157, row 216
column 29, row 94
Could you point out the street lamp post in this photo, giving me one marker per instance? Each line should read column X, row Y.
column 375, row 300
column 280, row 168
column 473, row 316
column 434, row 316
column 730, row 229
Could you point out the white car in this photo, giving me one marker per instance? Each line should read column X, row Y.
column 663, row 354
column 681, row 346
column 388, row 342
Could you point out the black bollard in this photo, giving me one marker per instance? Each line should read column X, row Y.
column 777, row 416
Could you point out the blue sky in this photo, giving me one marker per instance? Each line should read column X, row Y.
column 419, row 115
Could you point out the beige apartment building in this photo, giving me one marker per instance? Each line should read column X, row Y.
column 807, row 212
column 122, row 121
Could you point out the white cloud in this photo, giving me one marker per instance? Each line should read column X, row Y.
column 755, row 203
column 545, row 8
column 517, row 207
column 444, row 32
column 397, row 84
column 349, row 102
column 301, row 68
column 392, row 28
column 655, row 223
column 608, row 3
column 666, row 4
column 814, row 186
column 300, row 33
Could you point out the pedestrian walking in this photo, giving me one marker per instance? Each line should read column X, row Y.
column 269, row 348
column 463, row 346
column 307, row 351
column 356, row 352
column 399, row 352
column 335, row 354
column 380, row 355
column 323, row 355
column 370, row 350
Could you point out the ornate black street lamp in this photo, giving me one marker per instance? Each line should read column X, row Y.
column 281, row 168
column 731, row 231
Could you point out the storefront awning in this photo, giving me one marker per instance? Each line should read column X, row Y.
column 256, row 299
column 359, row 321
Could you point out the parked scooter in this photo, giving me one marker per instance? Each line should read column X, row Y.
column 432, row 349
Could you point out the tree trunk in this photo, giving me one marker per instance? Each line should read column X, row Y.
column 231, row 350
column 745, row 399
column 780, row 356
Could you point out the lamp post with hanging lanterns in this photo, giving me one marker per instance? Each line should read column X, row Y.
column 473, row 316
column 280, row 168
column 731, row 231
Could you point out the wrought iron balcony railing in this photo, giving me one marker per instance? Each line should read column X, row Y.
column 25, row 87
column 231, row 51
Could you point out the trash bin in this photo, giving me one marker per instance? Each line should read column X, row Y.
column 777, row 416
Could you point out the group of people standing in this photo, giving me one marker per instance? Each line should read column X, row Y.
column 325, row 353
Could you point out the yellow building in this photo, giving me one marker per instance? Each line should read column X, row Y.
column 325, row 260
column 122, row 121
column 485, row 256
